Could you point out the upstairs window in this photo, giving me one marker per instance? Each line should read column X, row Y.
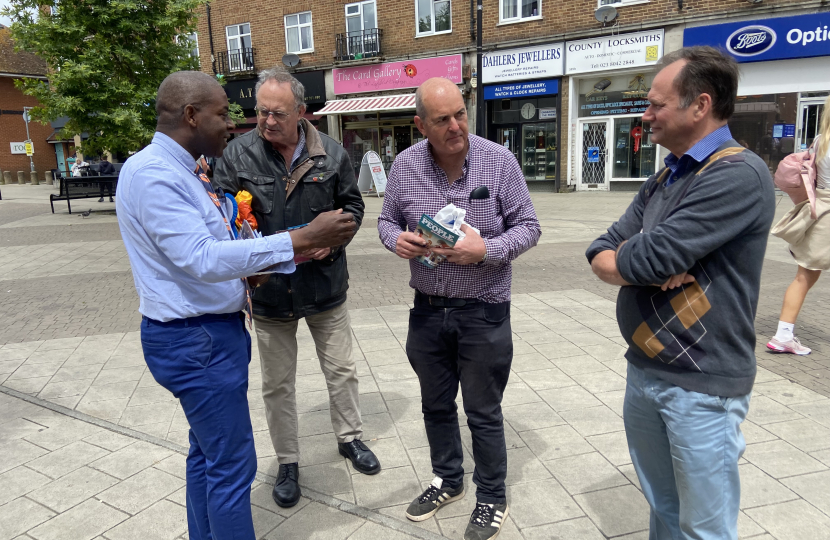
column 299, row 37
column 618, row 3
column 434, row 17
column 519, row 10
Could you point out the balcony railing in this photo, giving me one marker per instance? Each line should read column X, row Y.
column 237, row 61
column 359, row 45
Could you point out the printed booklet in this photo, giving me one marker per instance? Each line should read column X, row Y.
column 436, row 235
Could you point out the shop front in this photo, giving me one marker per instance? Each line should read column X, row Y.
column 609, row 84
column 243, row 92
column 375, row 104
column 523, row 107
column 784, row 79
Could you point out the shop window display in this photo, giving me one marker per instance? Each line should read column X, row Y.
column 529, row 129
column 634, row 153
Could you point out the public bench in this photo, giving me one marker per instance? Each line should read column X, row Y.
column 82, row 187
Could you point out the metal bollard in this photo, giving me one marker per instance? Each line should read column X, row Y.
column 7, row 177
column 21, row 178
column 33, row 177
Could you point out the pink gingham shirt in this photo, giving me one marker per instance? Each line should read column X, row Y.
column 507, row 220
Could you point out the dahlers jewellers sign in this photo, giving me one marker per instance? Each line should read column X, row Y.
column 767, row 39
column 396, row 75
column 614, row 52
column 536, row 62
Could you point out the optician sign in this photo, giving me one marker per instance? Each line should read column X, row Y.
column 396, row 75
column 18, row 147
column 522, row 89
column 802, row 36
column 614, row 52
column 526, row 63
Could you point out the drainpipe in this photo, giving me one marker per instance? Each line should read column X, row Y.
column 472, row 19
column 210, row 37
column 479, row 86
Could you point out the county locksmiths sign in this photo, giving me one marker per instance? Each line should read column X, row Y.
column 614, row 52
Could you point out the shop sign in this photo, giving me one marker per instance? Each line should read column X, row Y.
column 614, row 52
column 548, row 113
column 396, row 75
column 242, row 92
column 802, row 36
column 622, row 94
column 315, row 86
column 18, row 147
column 523, row 90
column 525, row 63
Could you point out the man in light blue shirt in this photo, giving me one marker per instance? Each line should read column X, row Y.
column 189, row 276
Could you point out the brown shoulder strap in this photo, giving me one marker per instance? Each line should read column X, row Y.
column 726, row 152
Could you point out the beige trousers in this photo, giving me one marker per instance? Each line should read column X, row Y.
column 277, row 340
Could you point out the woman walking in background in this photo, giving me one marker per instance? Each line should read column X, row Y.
column 812, row 253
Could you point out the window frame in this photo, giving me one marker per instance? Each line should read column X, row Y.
column 620, row 3
column 432, row 32
column 519, row 18
column 299, row 26
column 359, row 14
column 193, row 38
column 237, row 36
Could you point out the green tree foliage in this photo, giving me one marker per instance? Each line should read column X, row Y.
column 107, row 59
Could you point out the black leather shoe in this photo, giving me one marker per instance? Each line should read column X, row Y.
column 101, row 199
column 362, row 458
column 287, row 491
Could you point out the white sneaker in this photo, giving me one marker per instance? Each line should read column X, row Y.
column 792, row 347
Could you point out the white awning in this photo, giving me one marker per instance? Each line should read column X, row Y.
column 401, row 102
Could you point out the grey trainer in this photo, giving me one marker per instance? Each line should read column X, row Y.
column 486, row 521
column 428, row 502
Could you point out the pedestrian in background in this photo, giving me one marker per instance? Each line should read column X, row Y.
column 459, row 329
column 812, row 253
column 688, row 254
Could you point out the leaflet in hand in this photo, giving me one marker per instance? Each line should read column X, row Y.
column 247, row 233
column 436, row 235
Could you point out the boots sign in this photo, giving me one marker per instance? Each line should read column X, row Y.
column 781, row 38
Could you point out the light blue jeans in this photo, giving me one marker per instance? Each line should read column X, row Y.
column 685, row 448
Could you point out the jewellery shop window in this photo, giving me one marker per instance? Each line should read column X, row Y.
column 528, row 128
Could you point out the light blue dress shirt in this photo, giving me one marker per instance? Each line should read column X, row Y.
column 183, row 260
column 698, row 153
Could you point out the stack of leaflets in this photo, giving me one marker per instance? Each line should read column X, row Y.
column 436, row 235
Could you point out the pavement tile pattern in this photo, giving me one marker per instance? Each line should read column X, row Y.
column 113, row 468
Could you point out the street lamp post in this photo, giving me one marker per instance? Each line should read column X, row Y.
column 479, row 86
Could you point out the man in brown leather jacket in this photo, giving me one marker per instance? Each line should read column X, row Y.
column 294, row 173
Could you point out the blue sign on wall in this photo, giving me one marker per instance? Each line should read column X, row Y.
column 802, row 36
column 789, row 130
column 593, row 154
column 522, row 89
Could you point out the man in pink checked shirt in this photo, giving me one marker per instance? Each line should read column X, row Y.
column 459, row 329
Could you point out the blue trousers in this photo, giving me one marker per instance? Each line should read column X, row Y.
column 203, row 361
column 685, row 447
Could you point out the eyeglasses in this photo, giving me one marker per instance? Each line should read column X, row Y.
column 279, row 116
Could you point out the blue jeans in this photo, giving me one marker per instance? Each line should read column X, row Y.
column 203, row 361
column 685, row 448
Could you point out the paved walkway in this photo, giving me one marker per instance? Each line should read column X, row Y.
column 92, row 448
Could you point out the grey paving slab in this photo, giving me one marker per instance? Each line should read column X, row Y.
column 83, row 522
column 573, row 529
column 616, row 511
column 760, row 489
column 814, row 488
column 20, row 515
column 538, row 503
column 131, row 459
column 317, row 522
column 806, row 435
column 72, row 489
column 779, row 459
column 795, row 520
column 141, row 490
column 556, row 442
column 67, row 459
column 388, row 488
column 164, row 520
column 20, row 481
column 584, row 473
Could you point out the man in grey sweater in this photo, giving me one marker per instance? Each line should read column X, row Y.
column 688, row 254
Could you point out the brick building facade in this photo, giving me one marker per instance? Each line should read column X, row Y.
column 393, row 32
column 12, row 124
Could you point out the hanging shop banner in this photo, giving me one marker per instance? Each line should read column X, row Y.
column 396, row 75
column 614, row 52
column 781, row 38
column 526, row 63
column 522, row 89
